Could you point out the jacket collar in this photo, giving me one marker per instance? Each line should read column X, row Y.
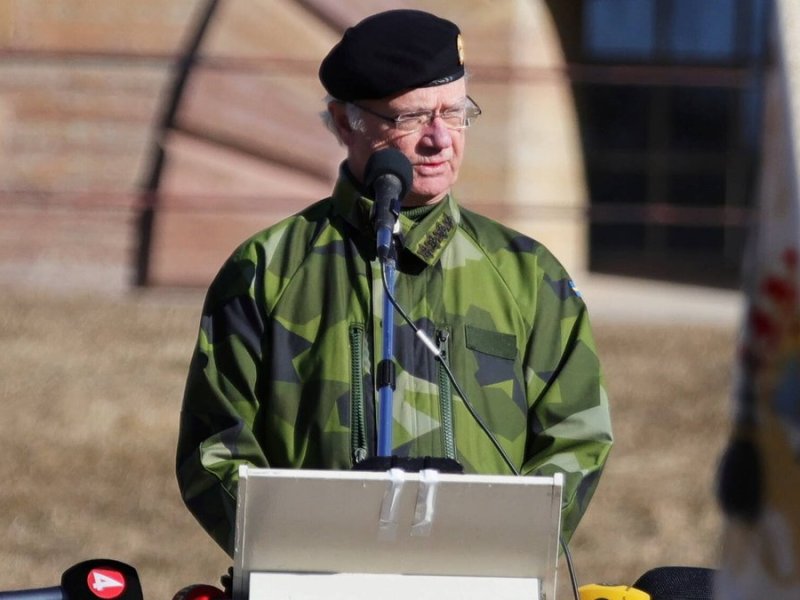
column 426, row 239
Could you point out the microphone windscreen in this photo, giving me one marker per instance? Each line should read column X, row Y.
column 389, row 161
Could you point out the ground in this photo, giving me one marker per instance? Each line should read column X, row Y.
column 91, row 389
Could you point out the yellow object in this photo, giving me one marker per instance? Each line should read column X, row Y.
column 593, row 591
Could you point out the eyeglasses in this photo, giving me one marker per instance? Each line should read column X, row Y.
column 459, row 117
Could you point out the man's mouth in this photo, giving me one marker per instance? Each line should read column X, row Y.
column 431, row 166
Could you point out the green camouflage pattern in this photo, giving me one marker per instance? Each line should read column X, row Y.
column 290, row 336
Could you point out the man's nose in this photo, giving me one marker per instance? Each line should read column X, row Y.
column 438, row 133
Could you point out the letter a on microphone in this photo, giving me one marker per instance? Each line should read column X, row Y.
column 105, row 583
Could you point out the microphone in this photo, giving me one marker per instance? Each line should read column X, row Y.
column 97, row 579
column 387, row 175
column 200, row 591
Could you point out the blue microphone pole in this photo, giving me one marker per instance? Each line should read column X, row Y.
column 386, row 372
column 388, row 175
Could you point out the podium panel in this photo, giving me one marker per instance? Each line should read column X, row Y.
column 370, row 586
column 336, row 534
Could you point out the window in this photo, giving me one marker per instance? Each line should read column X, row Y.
column 670, row 118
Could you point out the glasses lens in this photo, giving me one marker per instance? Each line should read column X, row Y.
column 457, row 118
column 454, row 119
column 411, row 123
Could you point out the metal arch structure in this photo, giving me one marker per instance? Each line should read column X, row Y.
column 150, row 187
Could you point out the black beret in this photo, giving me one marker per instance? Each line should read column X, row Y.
column 390, row 52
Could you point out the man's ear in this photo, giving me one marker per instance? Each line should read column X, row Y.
column 340, row 121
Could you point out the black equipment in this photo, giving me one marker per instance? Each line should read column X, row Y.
column 96, row 579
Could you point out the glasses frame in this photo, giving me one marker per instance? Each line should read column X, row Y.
column 397, row 120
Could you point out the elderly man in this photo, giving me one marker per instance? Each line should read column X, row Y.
column 284, row 373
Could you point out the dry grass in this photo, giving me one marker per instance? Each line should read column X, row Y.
column 670, row 388
column 91, row 389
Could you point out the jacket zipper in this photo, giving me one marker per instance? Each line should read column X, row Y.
column 358, row 430
column 445, row 399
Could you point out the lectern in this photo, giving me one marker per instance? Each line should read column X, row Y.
column 351, row 535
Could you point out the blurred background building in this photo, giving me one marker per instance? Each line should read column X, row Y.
column 142, row 141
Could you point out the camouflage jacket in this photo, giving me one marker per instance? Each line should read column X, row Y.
column 283, row 371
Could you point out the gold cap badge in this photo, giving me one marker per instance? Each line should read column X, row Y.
column 460, row 46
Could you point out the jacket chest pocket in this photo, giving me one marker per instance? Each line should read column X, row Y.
column 497, row 379
column 492, row 343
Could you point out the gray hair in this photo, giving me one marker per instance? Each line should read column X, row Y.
column 354, row 117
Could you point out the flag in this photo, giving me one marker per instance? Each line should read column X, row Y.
column 759, row 481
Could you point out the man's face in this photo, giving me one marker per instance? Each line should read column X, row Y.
column 435, row 151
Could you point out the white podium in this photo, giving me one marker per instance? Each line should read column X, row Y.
column 352, row 535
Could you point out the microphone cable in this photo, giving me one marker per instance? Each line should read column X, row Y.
column 478, row 419
column 570, row 567
column 438, row 355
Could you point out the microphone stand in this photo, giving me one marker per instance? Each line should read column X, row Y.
column 386, row 367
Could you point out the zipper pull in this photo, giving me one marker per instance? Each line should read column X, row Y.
column 359, row 455
column 442, row 336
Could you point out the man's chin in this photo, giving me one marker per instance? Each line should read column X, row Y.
column 423, row 198
column 430, row 189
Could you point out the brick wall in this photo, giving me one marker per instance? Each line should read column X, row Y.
column 81, row 89
column 86, row 101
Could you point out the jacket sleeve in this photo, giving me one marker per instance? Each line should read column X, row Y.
column 569, row 420
column 220, row 404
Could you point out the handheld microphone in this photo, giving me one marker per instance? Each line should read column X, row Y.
column 97, row 579
column 388, row 176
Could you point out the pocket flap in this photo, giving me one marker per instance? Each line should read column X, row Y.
column 503, row 345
